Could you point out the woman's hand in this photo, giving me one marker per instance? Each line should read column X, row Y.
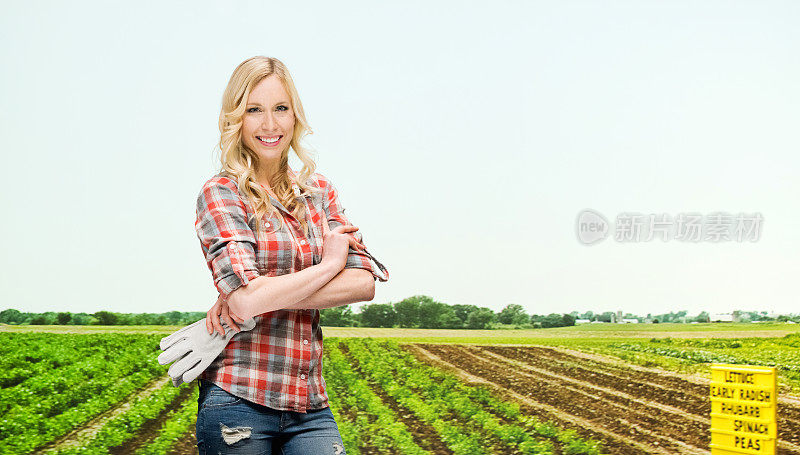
column 336, row 243
column 212, row 317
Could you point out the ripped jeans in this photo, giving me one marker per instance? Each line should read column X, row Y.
column 227, row 424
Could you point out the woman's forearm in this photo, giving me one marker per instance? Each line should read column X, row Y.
column 271, row 293
column 349, row 286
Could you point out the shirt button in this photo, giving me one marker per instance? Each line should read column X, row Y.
column 305, row 341
column 302, row 376
column 302, row 242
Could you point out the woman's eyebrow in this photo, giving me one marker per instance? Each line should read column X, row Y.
column 259, row 104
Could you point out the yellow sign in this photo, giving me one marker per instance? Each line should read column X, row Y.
column 743, row 409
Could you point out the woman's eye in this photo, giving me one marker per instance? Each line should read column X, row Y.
column 280, row 108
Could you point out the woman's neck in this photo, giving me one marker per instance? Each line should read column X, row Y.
column 265, row 175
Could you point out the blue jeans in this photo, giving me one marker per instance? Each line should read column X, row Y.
column 227, row 424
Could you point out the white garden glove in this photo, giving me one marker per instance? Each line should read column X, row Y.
column 196, row 349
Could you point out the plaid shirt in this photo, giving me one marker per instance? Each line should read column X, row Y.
column 279, row 363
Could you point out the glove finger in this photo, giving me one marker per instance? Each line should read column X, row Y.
column 173, row 353
column 169, row 340
column 195, row 371
column 177, row 382
column 178, row 368
column 181, row 332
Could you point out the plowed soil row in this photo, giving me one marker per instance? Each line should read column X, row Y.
column 690, row 397
column 490, row 441
column 612, row 443
column 662, row 412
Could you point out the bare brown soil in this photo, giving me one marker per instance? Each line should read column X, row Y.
column 690, row 397
column 627, row 409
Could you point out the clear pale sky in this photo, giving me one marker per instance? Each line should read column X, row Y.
column 464, row 141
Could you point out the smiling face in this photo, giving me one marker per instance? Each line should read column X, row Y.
column 268, row 122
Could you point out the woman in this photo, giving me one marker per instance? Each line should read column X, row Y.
column 279, row 248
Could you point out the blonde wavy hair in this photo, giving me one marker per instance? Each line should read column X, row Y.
column 238, row 161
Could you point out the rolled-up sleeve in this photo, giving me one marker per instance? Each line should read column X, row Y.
column 228, row 242
column 355, row 259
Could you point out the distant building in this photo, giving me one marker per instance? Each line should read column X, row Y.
column 582, row 321
column 630, row 321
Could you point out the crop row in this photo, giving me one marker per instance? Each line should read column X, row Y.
column 427, row 409
column 30, row 355
column 54, row 384
column 474, row 401
column 782, row 353
column 433, row 395
column 75, row 378
column 175, row 428
column 103, row 366
column 53, row 404
column 126, row 426
column 371, row 416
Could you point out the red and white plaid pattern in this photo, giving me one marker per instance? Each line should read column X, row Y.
column 279, row 363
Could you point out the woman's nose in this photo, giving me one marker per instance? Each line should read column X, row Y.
column 269, row 122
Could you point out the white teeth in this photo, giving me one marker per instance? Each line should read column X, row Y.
column 269, row 141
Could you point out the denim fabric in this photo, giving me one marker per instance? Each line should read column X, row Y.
column 227, row 424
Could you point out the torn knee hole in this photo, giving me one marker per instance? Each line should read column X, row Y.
column 232, row 435
column 337, row 448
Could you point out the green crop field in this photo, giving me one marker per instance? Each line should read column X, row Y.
column 590, row 389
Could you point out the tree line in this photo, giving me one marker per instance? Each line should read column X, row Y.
column 16, row 317
column 423, row 312
column 419, row 311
